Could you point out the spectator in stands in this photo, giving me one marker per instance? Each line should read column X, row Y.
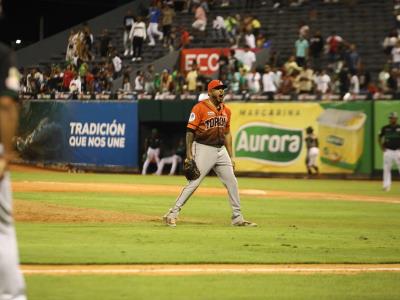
column 105, row 40
column 234, row 82
column 88, row 41
column 344, row 80
column 219, row 28
column 185, row 38
column 178, row 81
column 138, row 35
column 353, row 58
column 55, row 81
column 390, row 41
column 168, row 15
column 139, row 82
column 117, row 64
column 253, row 79
column 67, row 77
column 71, row 46
column 291, row 66
column 200, row 16
column 305, row 80
column 250, row 39
column 268, row 81
column 248, row 59
column 322, row 83
column 166, row 85
column 304, row 30
column 128, row 22
column 126, row 85
column 231, row 27
column 354, row 84
column 301, row 51
column 383, row 78
column 149, row 80
column 83, row 69
column 396, row 55
column 333, row 43
column 256, row 25
column 191, row 79
column 154, row 16
column 75, row 86
column 234, row 63
column 287, row 85
column 316, row 48
column 261, row 41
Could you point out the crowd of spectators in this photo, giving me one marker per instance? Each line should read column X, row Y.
column 320, row 67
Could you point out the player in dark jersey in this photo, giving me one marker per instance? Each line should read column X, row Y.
column 389, row 141
column 152, row 145
column 312, row 151
column 12, row 286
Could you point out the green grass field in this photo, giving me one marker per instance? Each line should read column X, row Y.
column 290, row 231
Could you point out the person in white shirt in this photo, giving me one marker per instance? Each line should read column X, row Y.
column 138, row 35
column 322, row 82
column 139, row 82
column 75, row 85
column 250, row 40
column 354, row 84
column 219, row 28
column 268, row 82
column 126, row 85
column 129, row 20
column 253, row 81
column 117, row 64
column 396, row 55
column 248, row 58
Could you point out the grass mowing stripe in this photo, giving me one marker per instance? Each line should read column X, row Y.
column 222, row 287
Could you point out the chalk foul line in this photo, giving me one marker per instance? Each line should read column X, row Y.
column 205, row 269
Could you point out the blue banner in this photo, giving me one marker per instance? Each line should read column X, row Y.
column 93, row 133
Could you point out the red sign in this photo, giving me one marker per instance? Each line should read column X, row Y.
column 206, row 59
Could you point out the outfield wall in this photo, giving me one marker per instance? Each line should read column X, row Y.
column 268, row 137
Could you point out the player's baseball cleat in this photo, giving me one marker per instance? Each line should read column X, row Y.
column 245, row 223
column 169, row 220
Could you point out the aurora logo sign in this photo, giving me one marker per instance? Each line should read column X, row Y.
column 268, row 143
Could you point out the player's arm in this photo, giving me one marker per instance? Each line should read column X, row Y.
column 189, row 143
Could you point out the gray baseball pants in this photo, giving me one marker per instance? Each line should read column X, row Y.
column 207, row 158
column 12, row 285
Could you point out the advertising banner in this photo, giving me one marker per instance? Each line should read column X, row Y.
column 93, row 133
column 206, row 59
column 381, row 114
column 269, row 137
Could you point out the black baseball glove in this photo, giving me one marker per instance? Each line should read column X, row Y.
column 190, row 169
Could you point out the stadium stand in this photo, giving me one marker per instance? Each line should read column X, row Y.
column 362, row 23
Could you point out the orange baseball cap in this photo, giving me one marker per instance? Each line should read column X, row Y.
column 216, row 83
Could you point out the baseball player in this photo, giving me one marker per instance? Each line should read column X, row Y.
column 312, row 151
column 173, row 160
column 389, row 141
column 12, row 286
column 152, row 144
column 209, row 143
